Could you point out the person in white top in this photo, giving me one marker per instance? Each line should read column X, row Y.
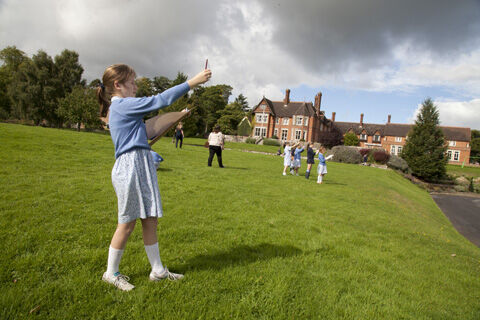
column 216, row 142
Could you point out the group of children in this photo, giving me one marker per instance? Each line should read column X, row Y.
column 292, row 159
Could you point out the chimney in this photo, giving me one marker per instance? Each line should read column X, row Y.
column 318, row 103
column 389, row 118
column 333, row 116
column 287, row 97
column 361, row 119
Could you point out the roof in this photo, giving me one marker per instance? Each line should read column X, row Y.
column 370, row 128
column 280, row 110
column 400, row 130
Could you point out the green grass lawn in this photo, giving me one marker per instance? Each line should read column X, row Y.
column 466, row 171
column 234, row 145
column 253, row 244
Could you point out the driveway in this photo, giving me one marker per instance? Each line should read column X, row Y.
column 464, row 213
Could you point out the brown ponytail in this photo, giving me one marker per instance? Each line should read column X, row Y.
column 117, row 72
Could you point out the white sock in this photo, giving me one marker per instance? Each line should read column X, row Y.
column 320, row 178
column 114, row 257
column 153, row 255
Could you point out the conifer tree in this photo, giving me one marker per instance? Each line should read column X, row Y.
column 425, row 148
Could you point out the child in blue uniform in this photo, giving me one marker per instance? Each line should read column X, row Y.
column 297, row 159
column 322, row 166
column 134, row 175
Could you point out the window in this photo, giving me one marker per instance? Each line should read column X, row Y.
column 321, row 126
column 305, row 121
column 286, row 120
column 399, row 150
column 298, row 134
column 277, row 120
column 299, row 120
column 398, row 139
column 392, row 150
column 284, row 134
column 452, row 143
column 304, row 134
column 449, row 155
column 275, row 132
column 456, row 156
column 257, row 132
column 265, row 118
column 376, row 138
column 363, row 136
column 258, row 118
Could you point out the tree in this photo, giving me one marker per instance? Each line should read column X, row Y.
column 242, row 101
column 69, row 71
column 350, row 139
column 12, row 59
column 80, row 106
column 161, row 84
column 475, row 147
column 144, row 87
column 230, row 117
column 331, row 138
column 425, row 147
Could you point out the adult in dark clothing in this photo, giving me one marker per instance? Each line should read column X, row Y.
column 179, row 136
column 310, row 161
column 216, row 142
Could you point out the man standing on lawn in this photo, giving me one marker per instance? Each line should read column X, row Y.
column 216, row 142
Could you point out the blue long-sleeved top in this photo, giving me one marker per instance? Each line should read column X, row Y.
column 125, row 118
column 321, row 159
column 297, row 155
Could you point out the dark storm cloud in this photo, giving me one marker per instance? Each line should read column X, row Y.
column 332, row 35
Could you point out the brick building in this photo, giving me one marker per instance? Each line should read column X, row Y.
column 392, row 137
column 295, row 121
column 289, row 120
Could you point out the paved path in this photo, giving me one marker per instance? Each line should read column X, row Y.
column 464, row 213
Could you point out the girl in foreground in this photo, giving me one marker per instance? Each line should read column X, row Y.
column 322, row 165
column 134, row 175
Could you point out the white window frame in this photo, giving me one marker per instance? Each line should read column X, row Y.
column 398, row 139
column 284, row 134
column 452, row 143
column 258, row 118
column 363, row 137
column 275, row 132
column 257, row 131
column 265, row 118
column 298, row 134
column 285, row 121
column 456, row 155
column 450, row 155
column 399, row 150
column 377, row 140
column 298, row 120
column 392, row 149
column 305, row 121
column 305, row 135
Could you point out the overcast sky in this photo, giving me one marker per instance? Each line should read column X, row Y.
column 365, row 56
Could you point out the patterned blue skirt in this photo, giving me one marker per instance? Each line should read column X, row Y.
column 134, row 179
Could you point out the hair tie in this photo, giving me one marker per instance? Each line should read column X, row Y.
column 102, row 86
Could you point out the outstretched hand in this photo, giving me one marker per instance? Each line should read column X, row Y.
column 202, row 77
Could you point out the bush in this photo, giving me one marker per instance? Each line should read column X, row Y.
column 350, row 139
column 363, row 152
column 251, row 140
column 398, row 163
column 271, row 142
column 346, row 155
column 380, row 156
column 274, row 137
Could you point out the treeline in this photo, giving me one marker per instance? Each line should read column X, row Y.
column 51, row 91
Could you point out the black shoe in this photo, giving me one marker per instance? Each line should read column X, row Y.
column 221, row 166
column 307, row 175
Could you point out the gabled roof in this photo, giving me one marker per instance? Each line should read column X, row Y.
column 279, row 109
column 450, row 133
column 370, row 128
column 397, row 130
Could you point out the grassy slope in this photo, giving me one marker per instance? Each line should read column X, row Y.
column 367, row 244
column 465, row 171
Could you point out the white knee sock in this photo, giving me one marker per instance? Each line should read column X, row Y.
column 153, row 255
column 114, row 257
column 320, row 178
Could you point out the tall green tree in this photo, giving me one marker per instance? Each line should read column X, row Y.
column 242, row 101
column 80, row 106
column 230, row 117
column 475, row 147
column 69, row 71
column 425, row 147
column 161, row 84
column 144, row 87
column 10, row 104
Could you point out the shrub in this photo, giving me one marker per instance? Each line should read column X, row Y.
column 350, row 139
column 271, row 142
column 380, row 156
column 346, row 155
column 274, row 137
column 251, row 140
column 398, row 163
column 363, row 152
